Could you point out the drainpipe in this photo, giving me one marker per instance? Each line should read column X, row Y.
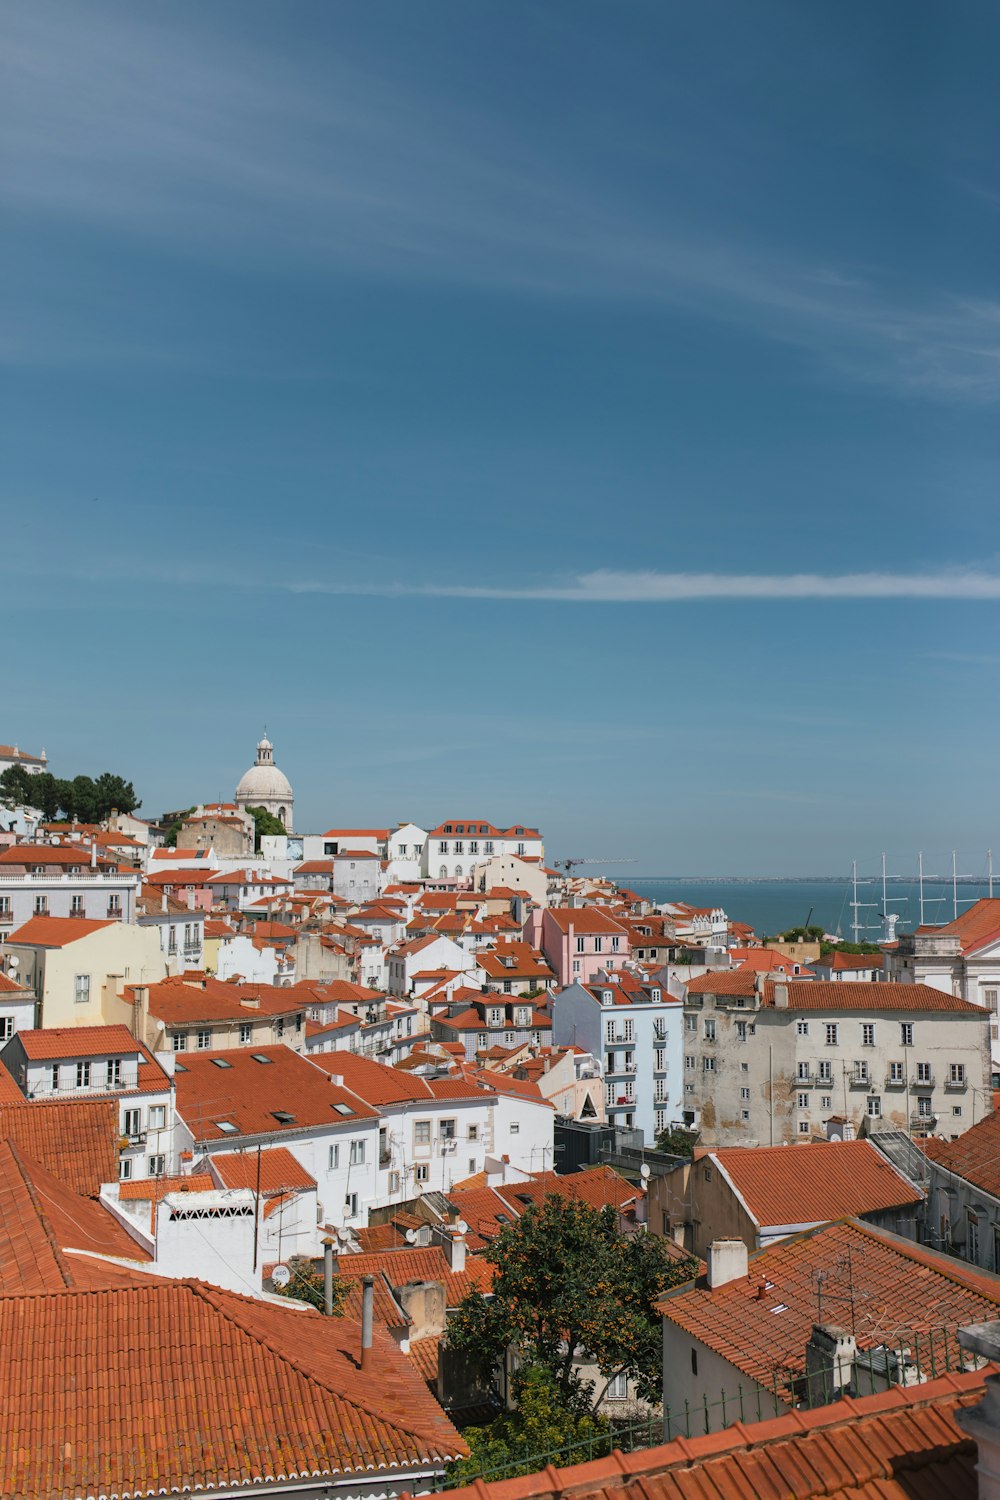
column 367, row 1319
column 328, row 1277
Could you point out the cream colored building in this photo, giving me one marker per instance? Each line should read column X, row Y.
column 513, row 873
column 768, row 1062
column 77, row 969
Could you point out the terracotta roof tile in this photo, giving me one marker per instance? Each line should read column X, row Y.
column 254, row 1391
column 287, row 1092
column 813, row 1183
column 78, row 1041
column 54, row 932
column 279, row 1172
column 977, row 926
column 422, row 1264
column 915, row 1291
column 975, row 1155
column 584, row 920
column 74, row 1139
column 896, row 1445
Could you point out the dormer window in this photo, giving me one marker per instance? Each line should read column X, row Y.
column 495, row 1015
column 608, row 997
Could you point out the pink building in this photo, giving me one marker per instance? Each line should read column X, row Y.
column 190, row 887
column 579, row 942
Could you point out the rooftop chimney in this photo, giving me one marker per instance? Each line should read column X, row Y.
column 830, row 1355
column 728, row 1260
column 781, row 996
column 367, row 1320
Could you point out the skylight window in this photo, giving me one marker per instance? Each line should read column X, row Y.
column 283, row 1117
column 343, row 1109
column 227, row 1127
column 220, row 1062
column 260, row 1057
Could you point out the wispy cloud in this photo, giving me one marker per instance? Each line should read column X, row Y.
column 609, row 587
column 201, row 147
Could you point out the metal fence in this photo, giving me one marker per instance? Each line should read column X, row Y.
column 907, row 1358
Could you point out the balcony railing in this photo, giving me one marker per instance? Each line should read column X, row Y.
column 923, row 1122
column 923, row 1083
column 956, row 1085
column 860, row 1081
column 895, row 1083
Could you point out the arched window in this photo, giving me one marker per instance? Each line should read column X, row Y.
column 443, row 872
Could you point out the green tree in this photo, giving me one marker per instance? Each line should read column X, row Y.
column 113, row 794
column 174, row 828
column 83, row 798
column 18, row 788
column 567, row 1278
column 306, row 1284
column 546, row 1421
column 265, row 823
column 677, row 1142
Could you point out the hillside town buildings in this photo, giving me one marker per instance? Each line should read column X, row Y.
column 229, row 1061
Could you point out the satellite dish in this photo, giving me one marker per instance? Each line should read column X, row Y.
column 461, row 1226
column 644, row 1171
column 13, row 962
column 410, row 1236
column 281, row 1276
column 55, row 839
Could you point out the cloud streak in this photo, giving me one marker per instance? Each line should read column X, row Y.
column 606, row 586
column 207, row 150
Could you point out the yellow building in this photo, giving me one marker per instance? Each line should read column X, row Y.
column 76, row 968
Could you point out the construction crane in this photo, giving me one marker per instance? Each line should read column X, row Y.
column 569, row 865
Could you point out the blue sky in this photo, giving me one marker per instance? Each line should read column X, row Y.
column 577, row 413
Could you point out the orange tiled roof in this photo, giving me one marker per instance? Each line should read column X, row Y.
column 844, row 994
column 256, row 1097
column 424, row 1264
column 975, row 1156
column 423, row 1356
column 835, row 994
column 77, row 1041
column 56, row 932
column 977, row 926
column 379, row 1085
column 846, row 962
column 9, row 1091
column 813, row 1183
column 585, row 920
column 598, row 1186
column 41, row 1218
column 894, row 1445
column 915, row 1291
column 175, row 1002
column 254, row 1391
column 279, row 1172
column 74, row 1139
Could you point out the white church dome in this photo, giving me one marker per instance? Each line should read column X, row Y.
column 265, row 786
